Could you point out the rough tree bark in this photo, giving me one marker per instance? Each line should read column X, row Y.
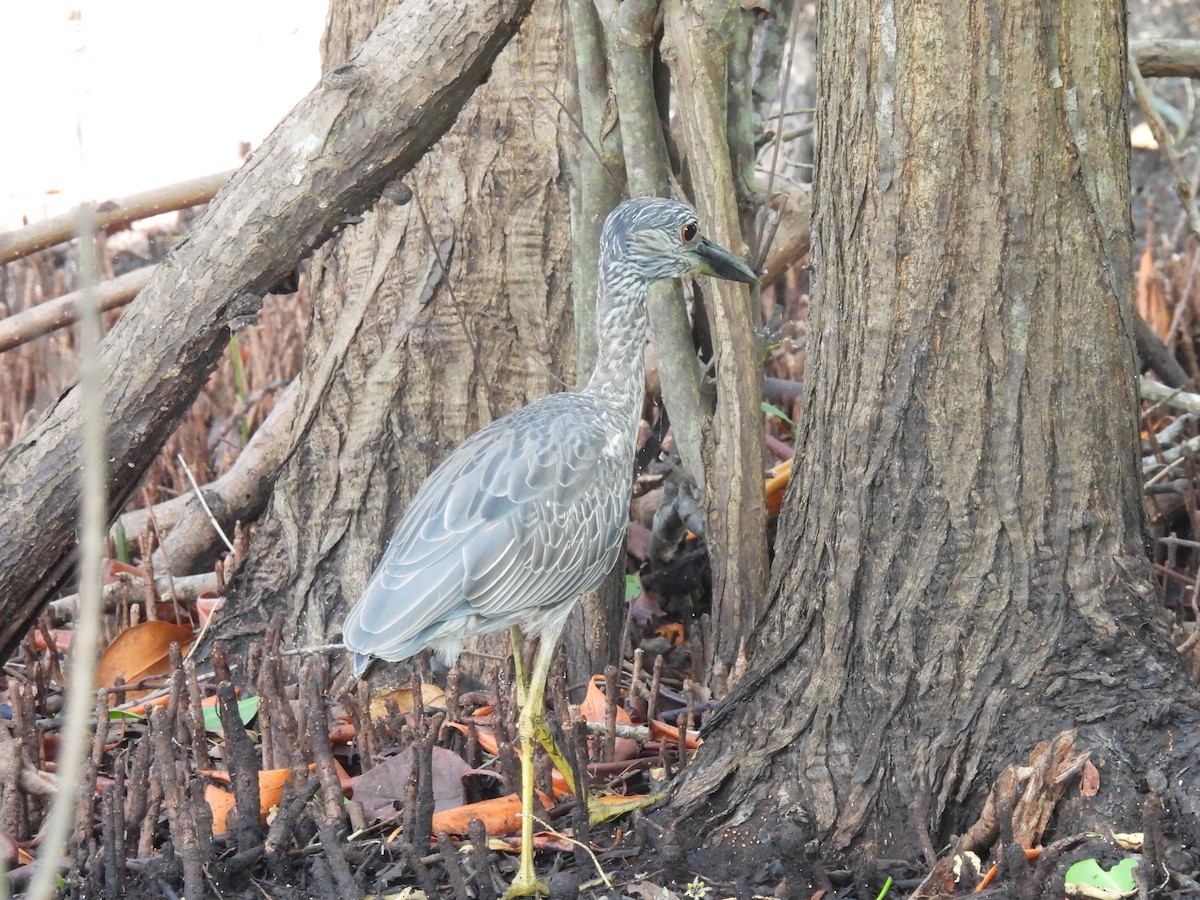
column 961, row 569
column 700, row 51
column 325, row 162
column 405, row 359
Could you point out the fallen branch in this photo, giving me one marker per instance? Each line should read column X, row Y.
column 111, row 214
column 63, row 311
column 1173, row 398
column 187, row 587
column 1166, row 142
column 1162, row 58
column 237, row 496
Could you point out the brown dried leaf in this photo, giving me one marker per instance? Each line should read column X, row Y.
column 431, row 695
column 139, row 652
column 380, row 787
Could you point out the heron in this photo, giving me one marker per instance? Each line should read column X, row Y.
column 529, row 513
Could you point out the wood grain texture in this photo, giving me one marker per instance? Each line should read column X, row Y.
column 960, row 568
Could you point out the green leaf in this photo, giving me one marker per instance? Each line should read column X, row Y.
column 633, row 587
column 887, row 886
column 122, row 542
column 117, row 714
column 247, row 710
column 1118, row 880
column 772, row 410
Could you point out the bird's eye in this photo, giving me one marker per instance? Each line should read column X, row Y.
column 688, row 232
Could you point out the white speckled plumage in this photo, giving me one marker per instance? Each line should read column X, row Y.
column 529, row 513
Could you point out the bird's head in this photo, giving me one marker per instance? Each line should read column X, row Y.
column 655, row 238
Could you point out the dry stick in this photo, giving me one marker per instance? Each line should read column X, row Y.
column 330, row 815
column 296, row 794
column 454, row 871
column 1166, row 57
column 65, row 310
column 179, row 811
column 243, row 759
column 612, row 698
column 1167, row 142
column 111, row 214
column 239, row 494
column 137, row 797
column 91, row 550
column 204, row 503
column 760, row 251
column 187, row 587
column 244, row 486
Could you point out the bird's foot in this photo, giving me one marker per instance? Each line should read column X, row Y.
column 605, row 809
column 527, row 885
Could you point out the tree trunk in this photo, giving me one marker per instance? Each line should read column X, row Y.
column 698, row 49
column 961, row 567
column 325, row 162
column 405, row 359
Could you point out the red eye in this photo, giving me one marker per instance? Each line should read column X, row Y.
column 688, row 232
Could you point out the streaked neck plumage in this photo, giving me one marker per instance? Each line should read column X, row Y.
column 618, row 378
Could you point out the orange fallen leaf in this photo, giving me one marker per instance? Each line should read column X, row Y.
column 114, row 569
column 593, row 709
column 221, row 801
column 61, row 636
column 673, row 632
column 139, row 652
column 485, row 737
column 595, row 703
column 777, row 482
column 1089, row 780
column 1151, row 298
column 665, row 732
column 206, row 608
column 500, row 815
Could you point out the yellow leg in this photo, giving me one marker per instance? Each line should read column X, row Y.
column 533, row 730
column 526, row 884
column 598, row 811
column 522, row 686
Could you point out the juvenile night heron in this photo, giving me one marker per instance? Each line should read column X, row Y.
column 529, row 513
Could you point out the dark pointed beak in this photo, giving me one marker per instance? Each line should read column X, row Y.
column 713, row 259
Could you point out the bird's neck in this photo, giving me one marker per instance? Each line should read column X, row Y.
column 619, row 375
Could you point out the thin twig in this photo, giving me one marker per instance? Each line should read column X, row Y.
column 775, row 150
column 1166, row 141
column 200, row 496
column 79, row 697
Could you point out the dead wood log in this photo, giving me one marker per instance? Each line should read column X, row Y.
column 237, row 496
column 362, row 128
column 1163, row 58
column 63, row 311
column 111, row 214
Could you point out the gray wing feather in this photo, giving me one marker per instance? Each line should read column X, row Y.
column 527, row 513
